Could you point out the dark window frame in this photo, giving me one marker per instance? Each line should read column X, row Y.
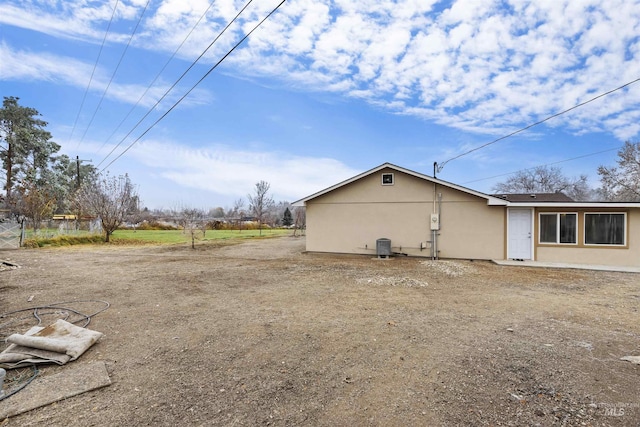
column 616, row 238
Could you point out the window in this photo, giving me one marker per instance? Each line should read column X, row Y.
column 387, row 179
column 558, row 228
column 604, row 228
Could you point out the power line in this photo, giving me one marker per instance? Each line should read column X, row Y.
column 115, row 71
column 197, row 83
column 84, row 97
column 547, row 164
column 441, row 165
column 193, row 63
column 175, row 52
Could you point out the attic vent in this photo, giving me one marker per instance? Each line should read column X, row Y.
column 387, row 179
column 383, row 248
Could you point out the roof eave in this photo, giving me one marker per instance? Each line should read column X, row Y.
column 575, row 204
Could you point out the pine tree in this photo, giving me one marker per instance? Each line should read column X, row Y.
column 25, row 146
column 287, row 218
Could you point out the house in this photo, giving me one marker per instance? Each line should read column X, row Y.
column 419, row 215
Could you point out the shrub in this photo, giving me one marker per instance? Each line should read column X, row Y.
column 155, row 225
column 63, row 240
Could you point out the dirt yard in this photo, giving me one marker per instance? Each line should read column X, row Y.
column 261, row 333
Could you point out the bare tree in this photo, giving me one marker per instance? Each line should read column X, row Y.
column 108, row 198
column 204, row 225
column 229, row 217
column 622, row 183
column 238, row 211
column 545, row 179
column 300, row 220
column 192, row 219
column 35, row 202
column 134, row 214
column 260, row 202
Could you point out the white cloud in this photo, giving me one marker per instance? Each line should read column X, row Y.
column 478, row 65
column 223, row 172
column 27, row 65
column 169, row 173
column 44, row 66
column 56, row 24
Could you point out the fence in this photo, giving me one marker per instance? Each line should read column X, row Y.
column 11, row 234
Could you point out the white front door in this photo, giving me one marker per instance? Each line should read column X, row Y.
column 519, row 234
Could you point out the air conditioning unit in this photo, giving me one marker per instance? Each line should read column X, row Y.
column 383, row 247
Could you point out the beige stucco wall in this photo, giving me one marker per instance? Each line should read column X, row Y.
column 597, row 255
column 351, row 218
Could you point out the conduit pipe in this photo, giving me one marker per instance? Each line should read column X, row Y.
column 434, row 232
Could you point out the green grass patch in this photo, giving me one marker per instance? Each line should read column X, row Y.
column 48, row 238
column 179, row 236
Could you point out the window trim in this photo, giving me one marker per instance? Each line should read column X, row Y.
column 557, row 242
column 610, row 245
column 388, row 174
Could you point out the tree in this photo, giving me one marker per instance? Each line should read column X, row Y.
column 35, row 202
column 35, row 177
column 545, row 179
column 622, row 183
column 109, row 198
column 260, row 202
column 238, row 211
column 192, row 220
column 63, row 179
column 300, row 223
column 135, row 214
column 276, row 212
column 26, row 145
column 217, row 212
column 287, row 218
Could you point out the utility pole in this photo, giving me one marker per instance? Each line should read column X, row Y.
column 78, row 170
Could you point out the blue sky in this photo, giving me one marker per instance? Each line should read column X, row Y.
column 324, row 90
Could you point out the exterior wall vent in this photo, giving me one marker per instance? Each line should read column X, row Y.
column 387, row 179
column 383, row 248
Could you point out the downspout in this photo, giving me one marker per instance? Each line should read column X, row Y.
column 435, row 230
column 439, row 219
column 434, row 233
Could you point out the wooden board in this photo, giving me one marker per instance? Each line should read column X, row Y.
column 74, row 379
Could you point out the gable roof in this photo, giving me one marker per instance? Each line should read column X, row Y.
column 562, row 201
column 535, row 197
column 491, row 200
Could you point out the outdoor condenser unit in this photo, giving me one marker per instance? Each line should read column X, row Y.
column 383, row 247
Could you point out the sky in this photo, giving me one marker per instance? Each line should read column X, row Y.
column 198, row 100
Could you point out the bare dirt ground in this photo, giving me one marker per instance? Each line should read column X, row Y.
column 260, row 333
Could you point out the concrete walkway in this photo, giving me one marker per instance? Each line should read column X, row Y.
column 529, row 263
